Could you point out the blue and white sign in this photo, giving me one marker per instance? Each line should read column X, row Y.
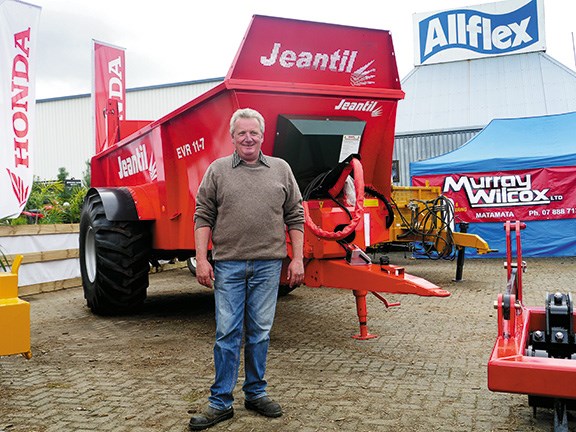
column 509, row 27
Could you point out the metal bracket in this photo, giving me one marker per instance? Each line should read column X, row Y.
column 354, row 255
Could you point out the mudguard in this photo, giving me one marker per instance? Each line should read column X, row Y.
column 118, row 203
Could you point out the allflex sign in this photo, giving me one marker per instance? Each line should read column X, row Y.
column 509, row 27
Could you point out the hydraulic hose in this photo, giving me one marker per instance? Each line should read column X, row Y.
column 358, row 213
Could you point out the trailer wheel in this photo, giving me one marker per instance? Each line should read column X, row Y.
column 113, row 260
column 191, row 263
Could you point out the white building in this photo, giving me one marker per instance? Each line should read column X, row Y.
column 453, row 94
column 65, row 131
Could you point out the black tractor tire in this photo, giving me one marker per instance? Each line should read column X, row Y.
column 113, row 260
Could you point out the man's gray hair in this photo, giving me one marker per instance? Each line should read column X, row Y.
column 246, row 113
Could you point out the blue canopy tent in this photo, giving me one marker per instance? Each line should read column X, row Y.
column 512, row 145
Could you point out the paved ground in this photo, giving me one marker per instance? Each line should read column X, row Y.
column 426, row 371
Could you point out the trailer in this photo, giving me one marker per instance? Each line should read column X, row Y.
column 535, row 349
column 329, row 95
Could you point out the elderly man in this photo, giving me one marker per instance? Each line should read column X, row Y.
column 245, row 203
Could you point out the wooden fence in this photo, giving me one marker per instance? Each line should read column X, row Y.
column 15, row 236
column 12, row 239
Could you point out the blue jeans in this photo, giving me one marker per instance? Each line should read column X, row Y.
column 245, row 294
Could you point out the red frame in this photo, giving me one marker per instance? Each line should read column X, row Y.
column 509, row 369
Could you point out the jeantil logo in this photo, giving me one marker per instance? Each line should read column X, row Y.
column 137, row 162
column 341, row 61
column 478, row 31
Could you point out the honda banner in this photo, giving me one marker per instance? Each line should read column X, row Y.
column 109, row 83
column 534, row 194
column 18, row 35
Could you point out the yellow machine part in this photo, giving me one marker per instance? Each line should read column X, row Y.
column 410, row 201
column 471, row 241
column 14, row 315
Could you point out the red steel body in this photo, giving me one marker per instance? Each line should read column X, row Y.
column 510, row 370
column 283, row 67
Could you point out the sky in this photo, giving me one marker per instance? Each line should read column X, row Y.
column 169, row 41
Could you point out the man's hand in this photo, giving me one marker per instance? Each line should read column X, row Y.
column 295, row 272
column 296, row 267
column 204, row 272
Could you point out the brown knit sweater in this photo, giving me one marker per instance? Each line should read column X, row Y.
column 248, row 208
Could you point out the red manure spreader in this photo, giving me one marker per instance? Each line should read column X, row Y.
column 329, row 95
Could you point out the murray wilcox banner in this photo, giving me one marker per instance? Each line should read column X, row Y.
column 527, row 195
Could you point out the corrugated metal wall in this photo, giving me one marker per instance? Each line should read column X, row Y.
column 64, row 128
column 63, row 136
column 151, row 103
column 412, row 148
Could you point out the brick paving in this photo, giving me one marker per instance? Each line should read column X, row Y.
column 150, row 371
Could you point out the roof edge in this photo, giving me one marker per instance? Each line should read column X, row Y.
column 134, row 89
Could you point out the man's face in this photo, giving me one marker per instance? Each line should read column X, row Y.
column 247, row 139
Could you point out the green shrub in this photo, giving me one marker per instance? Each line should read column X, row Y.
column 51, row 202
column 4, row 263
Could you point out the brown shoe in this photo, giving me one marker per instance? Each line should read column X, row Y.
column 209, row 418
column 265, row 406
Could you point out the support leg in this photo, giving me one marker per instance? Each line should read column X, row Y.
column 461, row 254
column 560, row 417
column 362, row 311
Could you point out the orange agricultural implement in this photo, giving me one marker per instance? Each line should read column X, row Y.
column 535, row 350
column 328, row 94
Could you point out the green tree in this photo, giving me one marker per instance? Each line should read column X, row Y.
column 62, row 174
column 52, row 202
column 87, row 174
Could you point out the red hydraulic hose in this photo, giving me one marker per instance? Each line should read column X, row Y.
column 356, row 167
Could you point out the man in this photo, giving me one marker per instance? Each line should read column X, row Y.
column 244, row 205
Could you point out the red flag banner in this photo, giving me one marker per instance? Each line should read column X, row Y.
column 109, row 83
column 534, row 194
column 18, row 35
